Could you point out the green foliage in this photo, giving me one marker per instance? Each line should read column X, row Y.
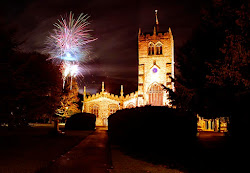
column 148, row 126
column 232, row 69
column 81, row 121
column 215, row 59
column 69, row 99
column 182, row 97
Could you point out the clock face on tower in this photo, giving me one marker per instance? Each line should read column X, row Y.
column 155, row 70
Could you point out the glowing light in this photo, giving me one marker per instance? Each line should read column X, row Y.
column 70, row 69
column 69, row 38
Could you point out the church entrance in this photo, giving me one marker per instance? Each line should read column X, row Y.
column 156, row 95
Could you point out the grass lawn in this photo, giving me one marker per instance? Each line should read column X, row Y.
column 30, row 149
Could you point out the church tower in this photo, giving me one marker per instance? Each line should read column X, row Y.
column 156, row 66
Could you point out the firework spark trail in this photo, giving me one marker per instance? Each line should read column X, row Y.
column 70, row 69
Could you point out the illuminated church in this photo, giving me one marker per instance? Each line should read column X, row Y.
column 156, row 66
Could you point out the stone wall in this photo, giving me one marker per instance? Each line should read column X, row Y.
column 104, row 104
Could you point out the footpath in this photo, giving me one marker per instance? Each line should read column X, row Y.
column 91, row 155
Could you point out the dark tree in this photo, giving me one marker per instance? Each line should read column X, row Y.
column 214, row 61
column 8, row 46
column 232, row 68
column 37, row 87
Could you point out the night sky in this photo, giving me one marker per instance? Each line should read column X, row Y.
column 115, row 24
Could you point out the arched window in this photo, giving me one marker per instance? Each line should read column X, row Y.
column 151, row 49
column 94, row 110
column 156, row 95
column 159, row 49
column 112, row 108
column 130, row 105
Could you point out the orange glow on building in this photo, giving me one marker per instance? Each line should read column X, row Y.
column 156, row 66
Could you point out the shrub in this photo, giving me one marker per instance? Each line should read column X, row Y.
column 152, row 127
column 81, row 121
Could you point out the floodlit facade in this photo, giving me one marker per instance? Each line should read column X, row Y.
column 212, row 125
column 155, row 70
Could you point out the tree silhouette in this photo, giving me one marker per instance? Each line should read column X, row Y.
column 232, row 69
column 214, row 62
column 36, row 86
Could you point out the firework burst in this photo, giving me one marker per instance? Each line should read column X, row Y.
column 69, row 39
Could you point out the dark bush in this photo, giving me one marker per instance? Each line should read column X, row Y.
column 81, row 121
column 153, row 127
column 159, row 135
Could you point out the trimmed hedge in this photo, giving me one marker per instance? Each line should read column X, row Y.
column 81, row 121
column 152, row 126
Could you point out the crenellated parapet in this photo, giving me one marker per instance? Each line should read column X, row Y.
column 111, row 96
column 103, row 95
column 131, row 96
column 154, row 35
column 149, row 36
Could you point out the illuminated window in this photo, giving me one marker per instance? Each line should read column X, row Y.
column 112, row 109
column 94, row 110
column 159, row 49
column 151, row 49
column 156, row 95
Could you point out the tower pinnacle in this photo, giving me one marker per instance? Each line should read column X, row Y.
column 121, row 90
column 139, row 33
column 156, row 21
column 156, row 18
column 102, row 86
column 84, row 92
